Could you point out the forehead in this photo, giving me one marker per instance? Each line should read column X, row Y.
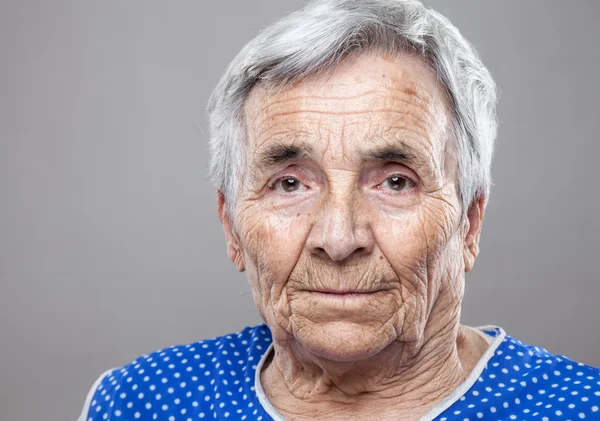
column 366, row 101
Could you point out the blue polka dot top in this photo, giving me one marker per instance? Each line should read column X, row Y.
column 216, row 379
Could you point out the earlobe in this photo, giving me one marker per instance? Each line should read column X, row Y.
column 473, row 232
column 233, row 244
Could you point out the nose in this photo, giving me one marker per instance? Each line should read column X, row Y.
column 341, row 230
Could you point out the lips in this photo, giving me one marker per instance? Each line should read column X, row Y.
column 343, row 292
column 343, row 299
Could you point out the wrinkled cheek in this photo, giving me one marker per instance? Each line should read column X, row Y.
column 444, row 252
column 450, row 268
column 271, row 249
column 257, row 243
column 406, row 248
column 415, row 245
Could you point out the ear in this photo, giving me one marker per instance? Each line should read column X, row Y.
column 473, row 231
column 234, row 250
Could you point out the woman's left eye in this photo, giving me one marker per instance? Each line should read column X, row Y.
column 396, row 183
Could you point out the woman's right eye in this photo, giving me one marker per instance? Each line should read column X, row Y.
column 288, row 185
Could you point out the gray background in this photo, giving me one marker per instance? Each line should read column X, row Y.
column 110, row 245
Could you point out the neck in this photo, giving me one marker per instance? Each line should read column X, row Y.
column 405, row 378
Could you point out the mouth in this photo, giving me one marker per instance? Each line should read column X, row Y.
column 342, row 304
column 342, row 293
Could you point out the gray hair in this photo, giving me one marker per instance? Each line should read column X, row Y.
column 313, row 40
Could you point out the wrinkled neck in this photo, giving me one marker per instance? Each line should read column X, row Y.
column 405, row 377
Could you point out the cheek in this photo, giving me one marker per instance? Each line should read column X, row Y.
column 415, row 242
column 272, row 245
column 404, row 245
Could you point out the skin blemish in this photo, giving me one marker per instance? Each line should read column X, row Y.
column 380, row 257
column 410, row 90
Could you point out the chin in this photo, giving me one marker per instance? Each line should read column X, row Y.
column 345, row 341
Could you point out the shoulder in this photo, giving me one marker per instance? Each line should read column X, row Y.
column 179, row 379
column 538, row 382
column 537, row 362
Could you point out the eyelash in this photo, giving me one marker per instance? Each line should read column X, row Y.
column 410, row 183
column 273, row 185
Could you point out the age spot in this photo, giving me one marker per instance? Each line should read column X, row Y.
column 410, row 91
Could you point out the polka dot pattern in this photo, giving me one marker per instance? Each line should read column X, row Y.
column 214, row 379
column 522, row 382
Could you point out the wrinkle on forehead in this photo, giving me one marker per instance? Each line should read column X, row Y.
column 364, row 98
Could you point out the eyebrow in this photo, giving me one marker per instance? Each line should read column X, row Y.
column 388, row 154
column 399, row 152
column 280, row 153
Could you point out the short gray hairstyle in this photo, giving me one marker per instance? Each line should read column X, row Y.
column 313, row 40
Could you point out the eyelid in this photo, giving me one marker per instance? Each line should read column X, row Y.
column 384, row 175
column 273, row 184
column 412, row 183
column 278, row 179
column 292, row 171
column 391, row 168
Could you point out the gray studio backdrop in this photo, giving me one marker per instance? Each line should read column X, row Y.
column 110, row 246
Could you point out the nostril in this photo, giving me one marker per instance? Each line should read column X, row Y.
column 320, row 251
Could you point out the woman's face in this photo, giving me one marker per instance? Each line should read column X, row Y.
column 348, row 218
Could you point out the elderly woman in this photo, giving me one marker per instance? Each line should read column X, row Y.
column 351, row 147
